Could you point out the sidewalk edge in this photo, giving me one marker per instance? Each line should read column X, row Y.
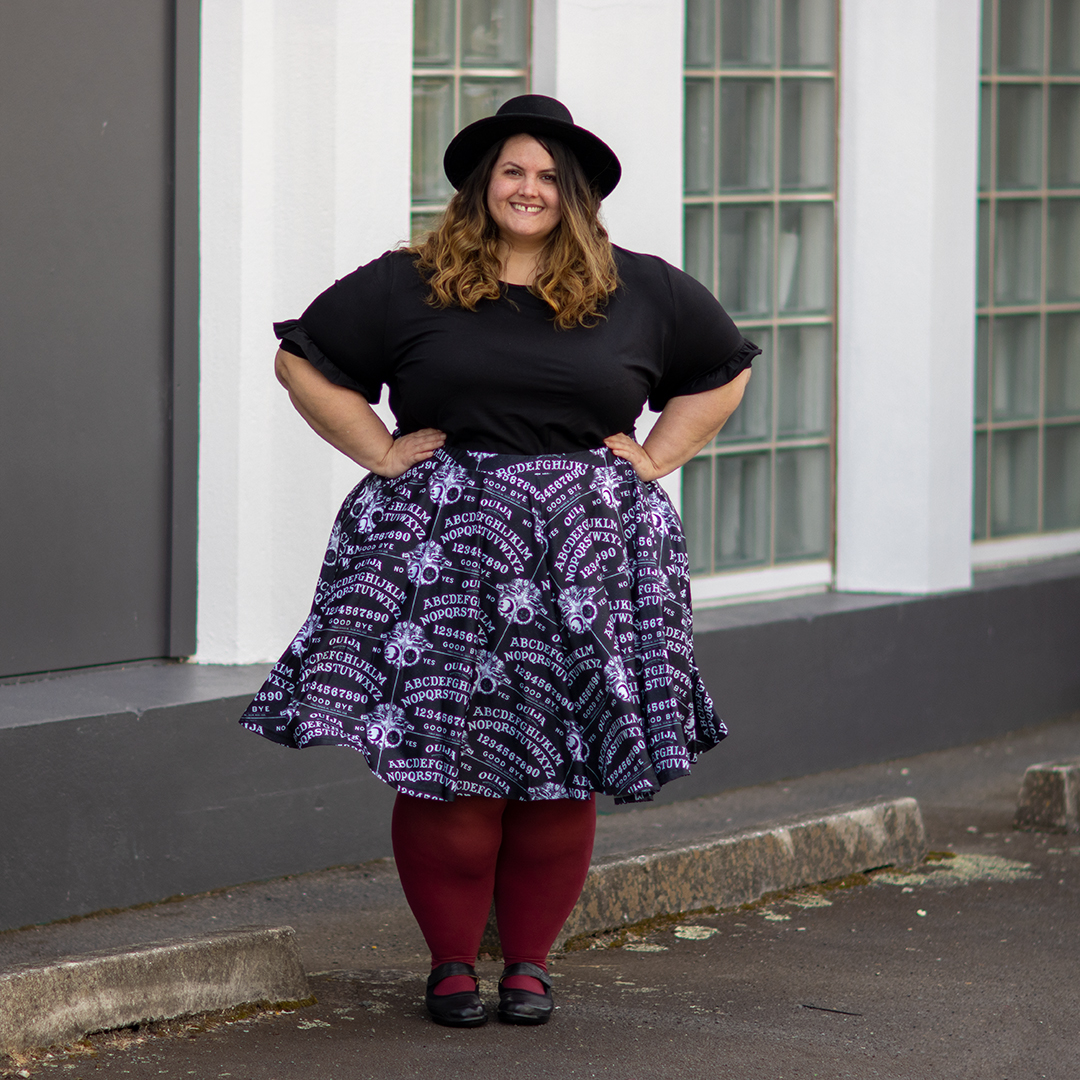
column 58, row 1001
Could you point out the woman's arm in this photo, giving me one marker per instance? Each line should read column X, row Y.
column 684, row 427
column 347, row 422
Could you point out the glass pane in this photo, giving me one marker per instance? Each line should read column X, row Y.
column 482, row 97
column 746, row 259
column 807, row 134
column 1019, row 137
column 982, row 368
column 1020, row 36
column 1063, row 365
column 700, row 33
column 746, row 32
column 700, row 135
column 697, row 513
column 1014, row 470
column 1018, row 252
column 809, row 33
column 753, row 418
column 978, row 509
column 802, row 503
column 1061, row 505
column 741, row 529
column 433, row 127
column 494, row 33
column 805, row 266
column 985, row 144
column 986, row 58
column 983, row 284
column 1064, row 145
column 804, row 382
column 746, row 134
column 433, row 32
column 1016, row 367
column 421, row 225
column 1063, row 250
column 1065, row 37
column 698, row 244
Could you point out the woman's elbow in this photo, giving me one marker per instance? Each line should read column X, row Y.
column 282, row 363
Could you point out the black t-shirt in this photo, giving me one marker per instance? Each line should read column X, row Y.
column 502, row 378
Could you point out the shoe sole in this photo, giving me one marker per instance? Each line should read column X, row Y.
column 532, row 1021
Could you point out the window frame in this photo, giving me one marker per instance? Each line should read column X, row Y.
column 776, row 575
column 988, row 311
column 422, row 211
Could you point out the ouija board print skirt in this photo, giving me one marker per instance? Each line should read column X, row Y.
column 501, row 625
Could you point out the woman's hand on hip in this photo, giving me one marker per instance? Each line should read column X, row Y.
column 624, row 447
column 407, row 451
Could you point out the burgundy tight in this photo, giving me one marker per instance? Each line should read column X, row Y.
column 452, row 857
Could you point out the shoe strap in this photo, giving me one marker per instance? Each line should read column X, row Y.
column 525, row 968
column 454, row 967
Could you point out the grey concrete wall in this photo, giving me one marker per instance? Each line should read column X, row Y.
column 131, row 784
column 152, row 794
column 99, row 300
column 824, row 682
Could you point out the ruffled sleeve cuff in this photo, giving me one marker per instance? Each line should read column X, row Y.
column 719, row 376
column 295, row 339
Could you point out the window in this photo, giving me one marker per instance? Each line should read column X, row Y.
column 760, row 184
column 469, row 56
column 1027, row 401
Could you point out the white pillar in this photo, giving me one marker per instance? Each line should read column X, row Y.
column 909, row 110
column 618, row 66
column 304, row 174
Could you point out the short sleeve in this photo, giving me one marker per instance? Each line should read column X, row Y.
column 343, row 331
column 708, row 350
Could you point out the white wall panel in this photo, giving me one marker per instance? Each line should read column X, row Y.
column 617, row 65
column 305, row 122
column 908, row 158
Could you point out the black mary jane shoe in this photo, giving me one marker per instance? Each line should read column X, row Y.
column 455, row 1010
column 523, row 1006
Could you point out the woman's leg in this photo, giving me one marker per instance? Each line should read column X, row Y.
column 546, row 847
column 446, row 854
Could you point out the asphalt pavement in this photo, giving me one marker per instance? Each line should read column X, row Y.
column 965, row 967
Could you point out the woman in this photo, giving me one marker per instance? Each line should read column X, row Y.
column 502, row 625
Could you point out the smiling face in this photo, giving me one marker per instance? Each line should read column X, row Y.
column 522, row 195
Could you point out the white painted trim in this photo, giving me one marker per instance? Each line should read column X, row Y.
column 617, row 65
column 1022, row 549
column 305, row 127
column 771, row 583
column 906, row 216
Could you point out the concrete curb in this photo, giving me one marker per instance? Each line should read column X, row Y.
column 1050, row 797
column 732, row 870
column 61, row 1000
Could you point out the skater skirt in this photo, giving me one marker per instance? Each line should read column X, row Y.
column 501, row 625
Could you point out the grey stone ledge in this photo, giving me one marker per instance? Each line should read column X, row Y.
column 58, row 1001
column 730, row 870
column 1050, row 797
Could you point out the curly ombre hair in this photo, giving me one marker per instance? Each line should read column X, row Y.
column 459, row 259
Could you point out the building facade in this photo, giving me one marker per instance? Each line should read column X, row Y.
column 884, row 540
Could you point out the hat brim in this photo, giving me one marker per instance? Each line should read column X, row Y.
column 468, row 146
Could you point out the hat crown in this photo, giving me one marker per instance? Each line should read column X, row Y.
column 538, row 115
column 536, row 105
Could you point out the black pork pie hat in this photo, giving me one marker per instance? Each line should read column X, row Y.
column 532, row 114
